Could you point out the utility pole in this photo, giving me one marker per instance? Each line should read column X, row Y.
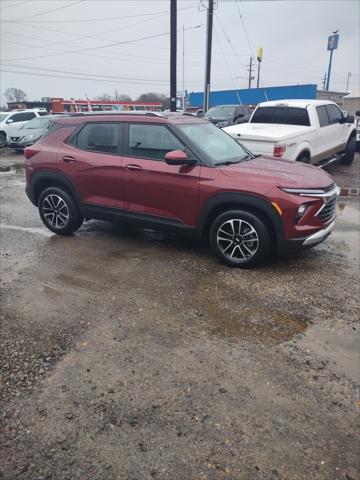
column 183, row 68
column 250, row 72
column 210, row 15
column 324, row 81
column 259, row 59
column 173, row 34
column 347, row 82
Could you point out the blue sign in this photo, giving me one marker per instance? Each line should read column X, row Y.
column 333, row 42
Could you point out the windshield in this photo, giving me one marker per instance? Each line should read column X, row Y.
column 217, row 145
column 38, row 122
column 3, row 116
column 224, row 111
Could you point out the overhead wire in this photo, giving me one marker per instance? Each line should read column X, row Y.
column 47, row 11
column 112, row 44
column 229, row 42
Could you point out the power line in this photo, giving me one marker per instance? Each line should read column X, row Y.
column 74, row 77
column 93, row 19
column 245, row 31
column 47, row 11
column 229, row 42
column 112, row 44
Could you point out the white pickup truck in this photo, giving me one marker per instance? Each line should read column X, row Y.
column 309, row 131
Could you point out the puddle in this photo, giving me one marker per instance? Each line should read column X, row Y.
column 342, row 350
column 17, row 169
column 36, row 231
column 348, row 231
column 235, row 314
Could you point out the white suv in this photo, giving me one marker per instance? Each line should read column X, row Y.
column 12, row 121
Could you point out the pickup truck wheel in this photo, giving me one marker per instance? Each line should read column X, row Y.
column 240, row 238
column 2, row 139
column 303, row 158
column 349, row 155
column 58, row 211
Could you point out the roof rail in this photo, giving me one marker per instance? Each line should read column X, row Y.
column 104, row 112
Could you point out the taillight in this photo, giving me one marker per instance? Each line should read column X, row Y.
column 279, row 150
column 30, row 152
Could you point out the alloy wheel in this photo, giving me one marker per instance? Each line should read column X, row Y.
column 237, row 240
column 55, row 211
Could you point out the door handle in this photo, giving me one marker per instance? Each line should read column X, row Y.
column 133, row 167
column 69, row 159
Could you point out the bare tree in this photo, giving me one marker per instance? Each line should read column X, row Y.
column 124, row 98
column 15, row 95
column 152, row 97
column 105, row 97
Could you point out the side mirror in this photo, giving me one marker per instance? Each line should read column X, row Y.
column 357, row 113
column 178, row 157
column 10, row 120
column 350, row 119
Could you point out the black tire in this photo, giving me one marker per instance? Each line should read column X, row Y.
column 2, row 139
column 304, row 157
column 58, row 211
column 348, row 158
column 237, row 253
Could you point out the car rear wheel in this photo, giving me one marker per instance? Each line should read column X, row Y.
column 240, row 238
column 349, row 155
column 59, row 212
column 303, row 158
column 2, row 139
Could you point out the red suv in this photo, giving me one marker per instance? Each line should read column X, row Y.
column 178, row 172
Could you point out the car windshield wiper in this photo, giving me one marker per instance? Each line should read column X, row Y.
column 236, row 161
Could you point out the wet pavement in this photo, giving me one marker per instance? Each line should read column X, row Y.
column 130, row 354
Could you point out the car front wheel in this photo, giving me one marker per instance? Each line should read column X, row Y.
column 349, row 154
column 240, row 238
column 2, row 139
column 58, row 211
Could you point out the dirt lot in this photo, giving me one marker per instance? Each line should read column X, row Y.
column 134, row 355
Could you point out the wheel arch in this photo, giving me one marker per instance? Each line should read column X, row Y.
column 230, row 201
column 46, row 179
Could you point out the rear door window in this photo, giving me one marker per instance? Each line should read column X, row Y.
column 322, row 116
column 98, row 137
column 334, row 113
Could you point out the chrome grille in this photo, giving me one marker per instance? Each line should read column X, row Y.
column 327, row 211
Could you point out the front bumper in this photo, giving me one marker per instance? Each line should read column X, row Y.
column 296, row 244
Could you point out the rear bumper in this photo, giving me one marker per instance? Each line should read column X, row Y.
column 296, row 244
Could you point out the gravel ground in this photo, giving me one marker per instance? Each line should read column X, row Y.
column 129, row 354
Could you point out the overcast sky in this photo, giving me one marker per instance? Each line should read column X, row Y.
column 103, row 45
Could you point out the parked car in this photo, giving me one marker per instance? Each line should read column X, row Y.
column 308, row 131
column 225, row 115
column 11, row 121
column 357, row 122
column 30, row 132
column 181, row 173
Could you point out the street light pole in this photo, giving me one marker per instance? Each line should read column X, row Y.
column 347, row 82
column 210, row 15
column 173, row 34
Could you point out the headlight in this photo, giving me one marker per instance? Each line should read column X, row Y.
column 313, row 192
column 31, row 137
column 222, row 124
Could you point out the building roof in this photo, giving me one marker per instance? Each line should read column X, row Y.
column 354, row 94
